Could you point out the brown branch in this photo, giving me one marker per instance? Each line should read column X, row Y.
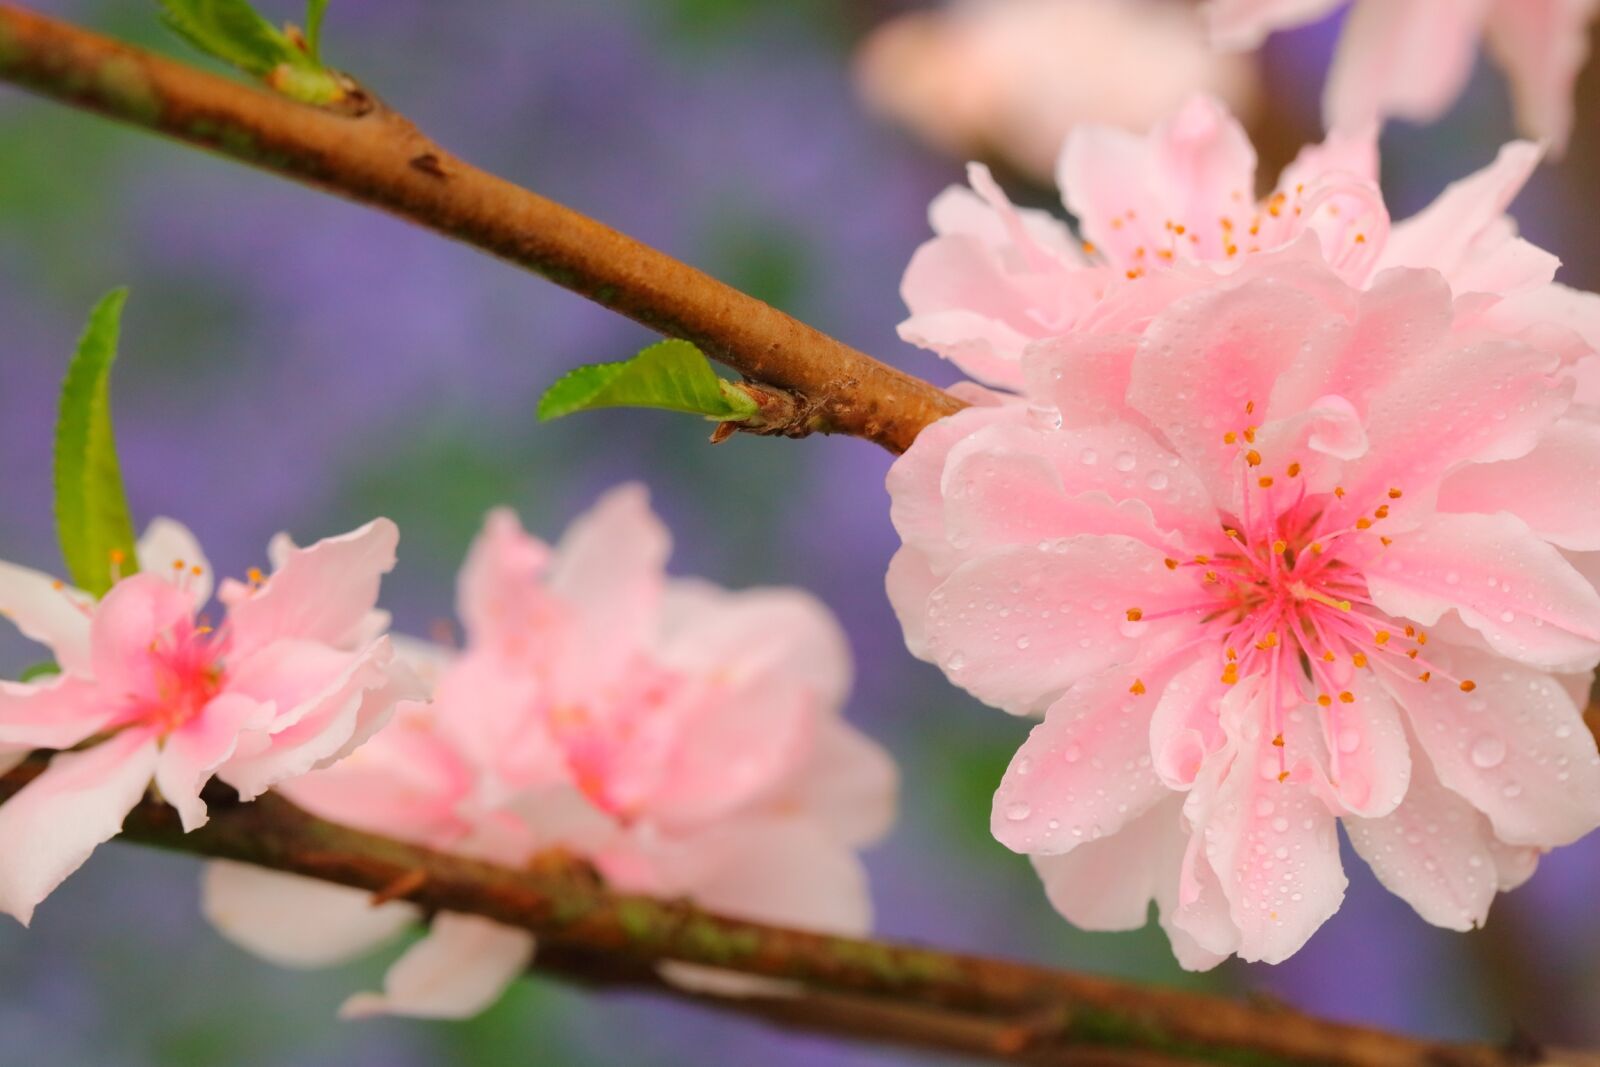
column 370, row 154
column 883, row 991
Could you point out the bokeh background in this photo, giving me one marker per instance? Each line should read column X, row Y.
column 294, row 362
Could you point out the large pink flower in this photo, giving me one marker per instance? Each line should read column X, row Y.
column 1160, row 213
column 1011, row 77
column 295, row 677
column 1411, row 58
column 686, row 739
column 1288, row 553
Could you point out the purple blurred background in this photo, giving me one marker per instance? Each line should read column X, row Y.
column 293, row 362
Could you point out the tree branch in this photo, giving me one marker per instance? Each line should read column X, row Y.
column 366, row 152
column 874, row 989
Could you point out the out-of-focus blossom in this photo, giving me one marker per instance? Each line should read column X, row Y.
column 1286, row 553
column 295, row 678
column 1410, row 59
column 1153, row 209
column 685, row 739
column 1010, row 78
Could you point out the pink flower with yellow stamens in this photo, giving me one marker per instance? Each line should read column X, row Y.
column 1285, row 554
column 1160, row 213
column 296, row 677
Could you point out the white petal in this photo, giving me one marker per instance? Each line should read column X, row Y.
column 293, row 921
column 460, row 969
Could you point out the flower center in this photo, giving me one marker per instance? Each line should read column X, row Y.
column 615, row 747
column 1285, row 599
column 187, row 673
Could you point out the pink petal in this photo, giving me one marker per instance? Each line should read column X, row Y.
column 58, row 712
column 1517, row 591
column 909, row 582
column 1184, row 731
column 1110, row 882
column 460, row 969
column 136, row 613
column 850, row 785
column 916, row 506
column 777, row 637
column 1370, row 761
column 786, row 871
column 1197, row 916
column 1404, row 58
column 48, row 612
column 407, row 782
column 1085, row 772
column 50, row 827
column 487, row 709
column 609, row 569
column 1515, row 747
column 1212, row 355
column 1550, row 488
column 193, row 752
column 1433, row 852
column 297, row 922
column 169, row 549
column 1542, row 44
column 1082, row 375
column 322, row 593
column 1402, row 318
column 1272, row 843
column 1472, row 400
column 1016, row 628
column 502, row 569
column 322, row 727
column 1012, row 483
column 1443, row 235
column 726, row 756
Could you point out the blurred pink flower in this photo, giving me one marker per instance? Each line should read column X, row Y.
column 1012, row 77
column 1410, row 59
column 685, row 739
column 1277, row 553
column 295, row 678
column 996, row 279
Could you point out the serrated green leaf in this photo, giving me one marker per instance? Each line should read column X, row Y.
column 49, row 668
column 315, row 10
column 234, row 32
column 671, row 376
column 92, row 519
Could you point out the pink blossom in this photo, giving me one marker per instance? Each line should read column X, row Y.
column 1285, row 553
column 1160, row 214
column 1011, row 77
column 1410, row 59
column 295, row 678
column 685, row 739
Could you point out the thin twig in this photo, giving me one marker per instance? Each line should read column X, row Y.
column 375, row 156
column 1008, row 1011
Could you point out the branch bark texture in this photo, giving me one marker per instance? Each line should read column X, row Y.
column 366, row 152
column 880, row 990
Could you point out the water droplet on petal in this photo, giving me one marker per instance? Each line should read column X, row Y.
column 1488, row 751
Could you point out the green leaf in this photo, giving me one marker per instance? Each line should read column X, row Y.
column 672, row 376
column 49, row 668
column 230, row 30
column 234, row 32
column 315, row 10
column 92, row 520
